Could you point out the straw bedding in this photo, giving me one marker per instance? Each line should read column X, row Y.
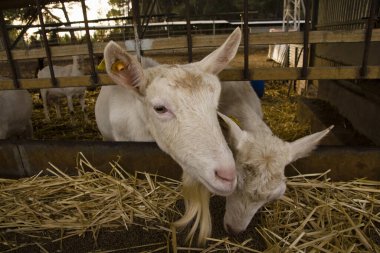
column 93, row 211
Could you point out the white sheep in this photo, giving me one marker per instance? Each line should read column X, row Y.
column 52, row 95
column 174, row 105
column 260, row 159
column 15, row 114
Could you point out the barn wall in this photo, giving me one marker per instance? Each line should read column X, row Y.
column 358, row 101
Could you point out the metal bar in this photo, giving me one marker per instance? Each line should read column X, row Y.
column 146, row 19
column 246, row 41
column 24, row 29
column 137, row 27
column 306, row 40
column 94, row 75
column 368, row 37
column 188, row 30
column 6, row 43
column 314, row 22
column 46, row 44
column 314, row 16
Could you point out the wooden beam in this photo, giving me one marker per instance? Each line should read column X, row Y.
column 200, row 41
column 314, row 73
column 315, row 37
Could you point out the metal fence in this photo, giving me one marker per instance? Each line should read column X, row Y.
column 326, row 21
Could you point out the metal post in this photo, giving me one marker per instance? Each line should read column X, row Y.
column 306, row 41
column 46, row 45
column 246, row 41
column 6, row 42
column 368, row 37
column 188, row 30
column 147, row 17
column 24, row 29
column 94, row 75
column 137, row 27
column 314, row 22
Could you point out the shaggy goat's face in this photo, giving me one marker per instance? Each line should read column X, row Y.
column 180, row 107
column 260, row 167
column 261, row 158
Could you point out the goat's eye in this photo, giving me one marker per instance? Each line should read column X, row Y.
column 160, row 109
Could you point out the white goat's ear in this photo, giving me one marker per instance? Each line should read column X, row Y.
column 302, row 147
column 234, row 131
column 221, row 57
column 123, row 68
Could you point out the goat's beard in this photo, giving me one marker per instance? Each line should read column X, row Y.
column 197, row 201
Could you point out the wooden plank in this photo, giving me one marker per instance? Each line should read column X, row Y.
column 201, row 41
column 315, row 37
column 314, row 73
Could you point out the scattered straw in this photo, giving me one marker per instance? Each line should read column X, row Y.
column 280, row 112
column 321, row 216
column 316, row 215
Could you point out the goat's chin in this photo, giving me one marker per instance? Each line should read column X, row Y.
column 219, row 187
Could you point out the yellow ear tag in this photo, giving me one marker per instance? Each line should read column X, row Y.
column 102, row 66
column 118, row 66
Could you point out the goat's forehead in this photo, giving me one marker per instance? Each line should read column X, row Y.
column 262, row 146
column 187, row 79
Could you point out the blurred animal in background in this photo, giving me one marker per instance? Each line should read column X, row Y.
column 15, row 114
column 53, row 95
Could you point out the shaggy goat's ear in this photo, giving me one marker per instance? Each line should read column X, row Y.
column 302, row 147
column 221, row 57
column 123, row 68
column 234, row 133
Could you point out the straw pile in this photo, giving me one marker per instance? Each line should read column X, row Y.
column 280, row 112
column 316, row 215
column 90, row 201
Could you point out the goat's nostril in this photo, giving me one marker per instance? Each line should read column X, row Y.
column 226, row 175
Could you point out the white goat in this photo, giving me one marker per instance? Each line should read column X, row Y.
column 15, row 114
column 52, row 95
column 174, row 105
column 260, row 160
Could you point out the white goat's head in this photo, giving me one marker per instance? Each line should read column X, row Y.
column 260, row 158
column 180, row 103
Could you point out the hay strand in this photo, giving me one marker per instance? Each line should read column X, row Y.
column 315, row 215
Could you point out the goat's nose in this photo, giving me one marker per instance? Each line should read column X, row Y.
column 226, row 174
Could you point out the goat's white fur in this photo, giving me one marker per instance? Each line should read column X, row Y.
column 15, row 114
column 188, row 128
column 54, row 94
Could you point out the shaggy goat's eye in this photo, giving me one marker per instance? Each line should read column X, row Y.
column 160, row 109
